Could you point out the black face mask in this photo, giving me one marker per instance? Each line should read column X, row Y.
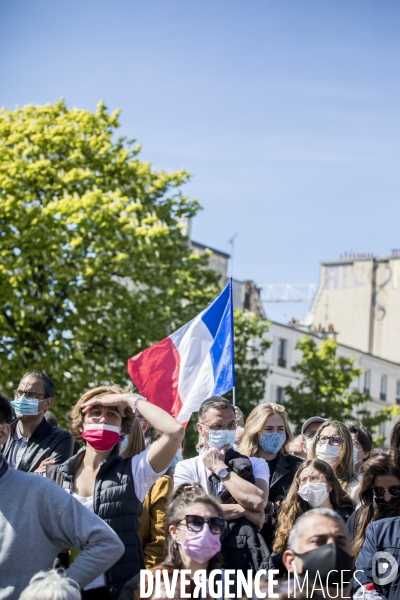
column 388, row 508
column 324, row 559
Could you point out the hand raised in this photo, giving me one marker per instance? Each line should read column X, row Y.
column 214, row 459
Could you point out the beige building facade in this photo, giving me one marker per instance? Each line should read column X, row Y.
column 359, row 298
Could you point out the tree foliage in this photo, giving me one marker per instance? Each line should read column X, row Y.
column 95, row 261
column 250, row 346
column 324, row 387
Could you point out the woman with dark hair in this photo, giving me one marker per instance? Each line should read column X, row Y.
column 315, row 486
column 334, row 445
column 194, row 525
column 362, row 443
column 379, row 494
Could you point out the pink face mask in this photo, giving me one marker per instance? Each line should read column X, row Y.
column 102, row 437
column 201, row 545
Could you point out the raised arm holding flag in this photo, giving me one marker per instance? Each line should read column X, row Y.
column 192, row 364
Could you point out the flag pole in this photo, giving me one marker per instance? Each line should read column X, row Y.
column 233, row 346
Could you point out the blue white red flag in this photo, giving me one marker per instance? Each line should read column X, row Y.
column 192, row 364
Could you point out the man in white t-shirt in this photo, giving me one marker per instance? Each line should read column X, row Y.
column 217, row 426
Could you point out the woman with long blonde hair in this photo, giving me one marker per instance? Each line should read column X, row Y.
column 333, row 444
column 267, row 435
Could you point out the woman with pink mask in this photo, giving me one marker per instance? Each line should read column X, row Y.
column 109, row 485
column 194, row 525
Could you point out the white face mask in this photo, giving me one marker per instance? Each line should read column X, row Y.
column 219, row 439
column 327, row 452
column 314, row 493
column 309, row 443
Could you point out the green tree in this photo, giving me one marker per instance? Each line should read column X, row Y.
column 324, row 387
column 95, row 260
column 249, row 350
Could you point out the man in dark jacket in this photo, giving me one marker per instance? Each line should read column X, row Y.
column 34, row 442
column 241, row 483
column 377, row 563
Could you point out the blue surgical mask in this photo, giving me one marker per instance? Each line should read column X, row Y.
column 355, row 455
column 124, row 444
column 271, row 443
column 24, row 406
column 177, row 458
column 218, row 439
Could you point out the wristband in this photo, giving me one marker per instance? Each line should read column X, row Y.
column 135, row 401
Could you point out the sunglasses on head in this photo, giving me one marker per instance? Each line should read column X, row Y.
column 379, row 492
column 196, row 523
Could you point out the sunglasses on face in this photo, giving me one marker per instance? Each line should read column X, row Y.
column 196, row 523
column 379, row 492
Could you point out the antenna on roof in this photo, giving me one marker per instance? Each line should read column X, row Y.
column 232, row 243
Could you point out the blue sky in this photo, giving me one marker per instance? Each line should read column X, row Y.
column 286, row 112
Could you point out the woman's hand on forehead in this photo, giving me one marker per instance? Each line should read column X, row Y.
column 116, row 401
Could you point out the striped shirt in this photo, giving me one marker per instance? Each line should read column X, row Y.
column 3, row 465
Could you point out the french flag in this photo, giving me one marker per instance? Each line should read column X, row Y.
column 192, row 364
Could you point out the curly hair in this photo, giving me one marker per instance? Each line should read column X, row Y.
column 181, row 497
column 294, row 506
column 381, row 462
column 344, row 464
column 76, row 416
column 254, row 424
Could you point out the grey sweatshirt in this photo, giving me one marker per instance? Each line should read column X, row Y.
column 38, row 519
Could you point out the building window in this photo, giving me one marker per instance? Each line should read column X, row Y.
column 383, row 387
column 367, row 382
column 382, row 430
column 398, row 392
column 282, row 352
column 280, row 395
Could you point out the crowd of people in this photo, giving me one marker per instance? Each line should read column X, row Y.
column 84, row 512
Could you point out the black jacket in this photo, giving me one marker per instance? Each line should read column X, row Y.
column 47, row 440
column 115, row 502
column 281, row 480
column 243, row 546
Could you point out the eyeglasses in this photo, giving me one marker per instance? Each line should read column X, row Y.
column 29, row 395
column 311, row 479
column 379, row 492
column 196, row 523
column 334, row 440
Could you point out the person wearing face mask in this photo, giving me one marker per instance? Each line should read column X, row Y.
column 333, row 444
column 112, row 486
column 379, row 494
column 38, row 520
column 194, row 525
column 308, row 431
column 34, row 442
column 319, row 545
column 267, row 436
column 315, row 486
column 241, row 484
